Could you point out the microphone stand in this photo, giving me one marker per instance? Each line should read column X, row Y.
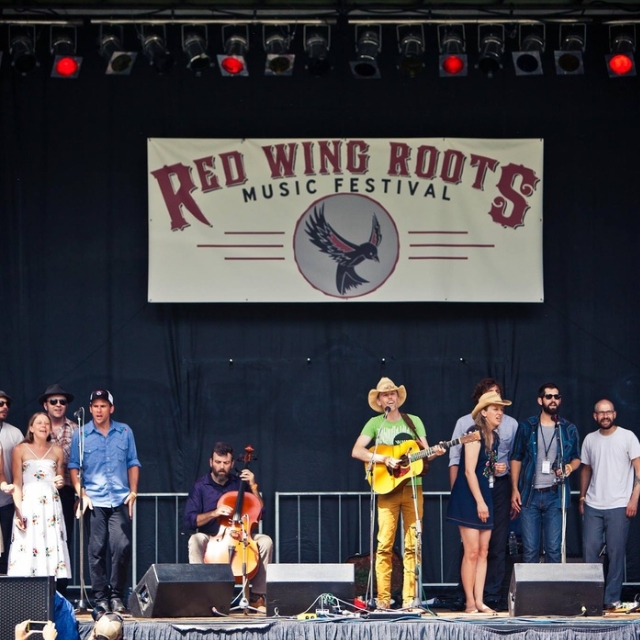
column 83, row 602
column 368, row 596
column 417, row 600
column 563, row 489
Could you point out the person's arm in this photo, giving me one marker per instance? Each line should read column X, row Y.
column 133, row 473
column 16, row 468
column 516, row 500
column 455, row 452
column 84, row 501
column 4, row 486
column 632, row 506
column 585, row 479
column 58, row 454
column 246, row 475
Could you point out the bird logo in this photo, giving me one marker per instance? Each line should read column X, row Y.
column 347, row 254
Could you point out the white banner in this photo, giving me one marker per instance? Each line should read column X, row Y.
column 371, row 220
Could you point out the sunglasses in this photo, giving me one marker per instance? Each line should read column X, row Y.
column 548, row 396
column 5, row 403
column 55, row 402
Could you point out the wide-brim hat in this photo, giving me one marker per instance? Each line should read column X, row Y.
column 386, row 384
column 486, row 400
column 6, row 395
column 55, row 390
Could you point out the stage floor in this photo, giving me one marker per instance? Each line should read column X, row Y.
column 429, row 625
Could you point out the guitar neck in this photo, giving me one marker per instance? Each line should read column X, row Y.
column 425, row 453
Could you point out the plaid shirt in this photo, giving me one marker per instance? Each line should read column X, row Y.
column 63, row 439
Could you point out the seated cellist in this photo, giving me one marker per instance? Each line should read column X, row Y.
column 221, row 528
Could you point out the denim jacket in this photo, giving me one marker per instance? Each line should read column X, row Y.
column 525, row 449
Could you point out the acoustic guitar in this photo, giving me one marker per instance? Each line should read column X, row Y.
column 384, row 480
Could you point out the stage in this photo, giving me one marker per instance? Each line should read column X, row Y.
column 429, row 625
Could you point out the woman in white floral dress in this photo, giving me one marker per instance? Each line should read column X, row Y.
column 39, row 542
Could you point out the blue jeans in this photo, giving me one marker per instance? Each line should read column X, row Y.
column 542, row 516
column 612, row 527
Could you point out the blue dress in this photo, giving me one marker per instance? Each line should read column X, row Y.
column 462, row 508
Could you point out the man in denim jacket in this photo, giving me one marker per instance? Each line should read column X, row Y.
column 545, row 452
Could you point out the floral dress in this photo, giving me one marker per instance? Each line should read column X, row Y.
column 42, row 549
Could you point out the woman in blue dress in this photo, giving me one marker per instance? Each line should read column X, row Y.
column 470, row 505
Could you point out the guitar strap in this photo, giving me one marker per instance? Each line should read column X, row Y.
column 409, row 423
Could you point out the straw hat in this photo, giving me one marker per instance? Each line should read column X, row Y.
column 386, row 384
column 486, row 400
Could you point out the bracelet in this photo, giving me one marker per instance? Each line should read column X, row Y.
column 254, row 487
column 134, row 494
column 582, row 498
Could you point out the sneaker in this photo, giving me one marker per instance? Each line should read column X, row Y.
column 257, row 601
column 117, row 606
column 382, row 604
column 613, row 606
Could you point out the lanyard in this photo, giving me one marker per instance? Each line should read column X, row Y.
column 544, row 442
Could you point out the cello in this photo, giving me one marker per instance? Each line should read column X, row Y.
column 233, row 543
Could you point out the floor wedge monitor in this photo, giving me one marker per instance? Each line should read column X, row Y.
column 183, row 591
column 566, row 590
column 294, row 588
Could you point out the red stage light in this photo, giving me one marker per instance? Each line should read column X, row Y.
column 232, row 66
column 620, row 64
column 66, row 67
column 453, row 65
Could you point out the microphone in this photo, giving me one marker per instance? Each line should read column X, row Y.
column 386, row 410
column 79, row 412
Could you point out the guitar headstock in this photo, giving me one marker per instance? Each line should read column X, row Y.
column 474, row 436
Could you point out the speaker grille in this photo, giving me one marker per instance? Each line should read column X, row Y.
column 24, row 599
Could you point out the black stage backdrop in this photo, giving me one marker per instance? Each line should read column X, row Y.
column 73, row 260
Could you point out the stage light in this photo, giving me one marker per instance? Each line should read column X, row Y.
column 452, row 47
column 527, row 61
column 569, row 58
column 195, row 43
column 411, row 48
column 66, row 64
column 235, row 39
column 155, row 49
column 622, row 43
column 22, row 48
column 276, row 41
column 491, row 48
column 119, row 61
column 317, row 42
column 368, row 45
